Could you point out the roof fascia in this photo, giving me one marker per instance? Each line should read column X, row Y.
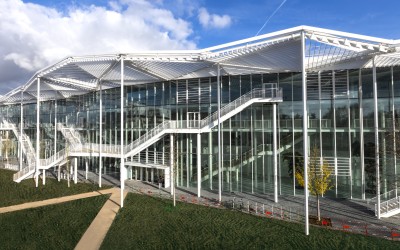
column 350, row 35
column 253, row 39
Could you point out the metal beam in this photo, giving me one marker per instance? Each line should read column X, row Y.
column 122, row 167
column 275, row 151
column 376, row 127
column 37, row 132
column 219, row 136
column 305, row 131
column 101, row 133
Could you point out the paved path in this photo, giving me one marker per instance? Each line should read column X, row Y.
column 54, row 201
column 97, row 231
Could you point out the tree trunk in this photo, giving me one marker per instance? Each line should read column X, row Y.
column 68, row 175
column 318, row 211
column 174, row 194
column 173, row 186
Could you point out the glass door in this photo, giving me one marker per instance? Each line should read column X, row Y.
column 193, row 119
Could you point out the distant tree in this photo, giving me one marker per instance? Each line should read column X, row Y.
column 319, row 177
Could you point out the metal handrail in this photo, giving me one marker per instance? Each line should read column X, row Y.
column 151, row 156
column 390, row 193
column 59, row 156
column 77, row 146
column 73, row 136
column 162, row 127
column 26, row 147
column 389, row 205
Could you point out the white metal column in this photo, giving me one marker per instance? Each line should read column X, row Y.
column 293, row 150
column 349, row 133
column 394, row 131
column 21, row 130
column 75, row 170
column 360, row 100
column 263, row 147
column 44, row 177
column 172, row 165
column 274, row 151
column 37, row 132
column 55, row 132
column 101, row 135
column 210, row 159
column 59, row 173
column 305, row 131
column 376, row 124
column 219, row 136
column 334, row 131
column 198, row 165
column 122, row 167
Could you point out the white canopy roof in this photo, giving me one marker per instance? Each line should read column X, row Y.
column 274, row 52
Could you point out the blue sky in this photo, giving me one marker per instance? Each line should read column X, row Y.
column 37, row 33
column 369, row 17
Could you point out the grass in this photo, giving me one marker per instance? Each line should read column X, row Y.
column 13, row 193
column 152, row 223
column 51, row 227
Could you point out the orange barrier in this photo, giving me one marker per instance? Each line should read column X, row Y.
column 394, row 234
column 345, row 227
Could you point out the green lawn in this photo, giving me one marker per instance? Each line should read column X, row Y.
column 152, row 223
column 12, row 193
column 51, row 227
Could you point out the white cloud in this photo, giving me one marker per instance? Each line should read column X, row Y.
column 208, row 20
column 33, row 36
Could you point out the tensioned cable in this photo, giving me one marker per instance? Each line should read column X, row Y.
column 273, row 13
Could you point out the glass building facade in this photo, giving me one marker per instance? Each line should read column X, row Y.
column 340, row 117
column 340, row 123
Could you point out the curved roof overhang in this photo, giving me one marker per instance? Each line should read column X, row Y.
column 273, row 52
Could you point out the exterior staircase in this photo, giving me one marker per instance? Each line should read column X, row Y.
column 390, row 205
column 72, row 136
column 205, row 125
column 27, row 150
column 77, row 148
column 249, row 156
column 48, row 128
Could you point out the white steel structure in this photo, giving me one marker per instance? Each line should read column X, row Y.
column 232, row 113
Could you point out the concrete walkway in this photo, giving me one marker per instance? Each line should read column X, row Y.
column 97, row 231
column 53, row 201
column 95, row 234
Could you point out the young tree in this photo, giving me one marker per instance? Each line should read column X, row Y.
column 319, row 177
